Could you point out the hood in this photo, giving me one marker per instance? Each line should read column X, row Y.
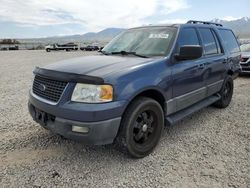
column 99, row 65
column 245, row 54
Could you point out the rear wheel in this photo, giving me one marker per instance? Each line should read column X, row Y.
column 226, row 93
column 141, row 127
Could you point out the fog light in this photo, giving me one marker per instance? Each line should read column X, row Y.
column 80, row 129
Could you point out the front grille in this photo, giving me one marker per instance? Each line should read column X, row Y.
column 244, row 59
column 245, row 65
column 48, row 89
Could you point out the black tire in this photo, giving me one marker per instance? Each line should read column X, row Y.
column 47, row 50
column 226, row 93
column 141, row 127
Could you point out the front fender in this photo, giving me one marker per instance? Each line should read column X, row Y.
column 152, row 76
column 132, row 89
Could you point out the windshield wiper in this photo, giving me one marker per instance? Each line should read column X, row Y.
column 129, row 53
column 103, row 52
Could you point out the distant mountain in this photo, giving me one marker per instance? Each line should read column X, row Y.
column 110, row 32
column 103, row 36
column 241, row 26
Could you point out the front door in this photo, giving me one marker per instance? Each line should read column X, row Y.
column 188, row 76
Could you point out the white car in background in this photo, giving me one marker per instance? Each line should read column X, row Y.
column 245, row 58
column 57, row 47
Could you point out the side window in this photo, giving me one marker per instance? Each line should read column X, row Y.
column 210, row 45
column 188, row 36
column 229, row 40
column 220, row 49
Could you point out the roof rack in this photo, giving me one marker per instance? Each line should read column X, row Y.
column 202, row 22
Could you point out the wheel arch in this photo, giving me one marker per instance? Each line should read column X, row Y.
column 230, row 72
column 153, row 93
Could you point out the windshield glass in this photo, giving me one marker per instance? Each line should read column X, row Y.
column 148, row 41
column 245, row 47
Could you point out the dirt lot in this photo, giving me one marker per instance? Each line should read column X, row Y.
column 209, row 149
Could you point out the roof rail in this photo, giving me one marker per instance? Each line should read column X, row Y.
column 202, row 22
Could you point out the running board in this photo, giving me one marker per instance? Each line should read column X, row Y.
column 178, row 116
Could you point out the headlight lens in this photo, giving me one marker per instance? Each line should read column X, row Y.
column 92, row 93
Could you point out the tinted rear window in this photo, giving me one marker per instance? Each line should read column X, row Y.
column 229, row 40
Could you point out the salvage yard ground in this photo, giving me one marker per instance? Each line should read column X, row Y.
column 209, row 149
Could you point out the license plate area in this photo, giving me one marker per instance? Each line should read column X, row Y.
column 41, row 117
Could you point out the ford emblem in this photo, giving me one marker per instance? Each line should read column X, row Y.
column 42, row 87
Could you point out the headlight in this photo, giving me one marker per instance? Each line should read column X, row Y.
column 92, row 93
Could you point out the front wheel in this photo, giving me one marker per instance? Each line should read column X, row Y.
column 226, row 93
column 141, row 127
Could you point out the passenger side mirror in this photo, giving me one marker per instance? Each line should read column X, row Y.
column 189, row 52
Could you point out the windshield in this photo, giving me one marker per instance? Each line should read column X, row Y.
column 245, row 47
column 148, row 41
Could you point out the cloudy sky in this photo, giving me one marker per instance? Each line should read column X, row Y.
column 41, row 18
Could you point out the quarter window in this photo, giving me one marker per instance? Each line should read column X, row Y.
column 229, row 40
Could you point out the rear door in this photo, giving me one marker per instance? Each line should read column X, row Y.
column 188, row 82
column 214, row 59
column 232, row 49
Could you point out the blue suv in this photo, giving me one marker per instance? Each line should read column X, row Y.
column 145, row 78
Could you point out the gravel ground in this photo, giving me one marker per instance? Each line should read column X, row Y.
column 208, row 149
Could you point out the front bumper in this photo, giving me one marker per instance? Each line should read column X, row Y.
column 102, row 120
column 245, row 67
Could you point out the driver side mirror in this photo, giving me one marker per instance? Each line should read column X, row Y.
column 189, row 52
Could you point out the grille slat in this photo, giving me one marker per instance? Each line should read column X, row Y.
column 53, row 88
column 50, row 88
